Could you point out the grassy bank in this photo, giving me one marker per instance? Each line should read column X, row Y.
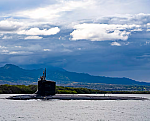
column 30, row 89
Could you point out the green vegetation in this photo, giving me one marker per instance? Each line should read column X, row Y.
column 71, row 90
column 110, row 87
column 30, row 89
column 22, row 89
column 17, row 89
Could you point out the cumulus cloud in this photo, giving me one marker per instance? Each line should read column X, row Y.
column 115, row 44
column 108, row 31
column 9, row 25
column 47, row 49
column 33, row 37
column 69, row 13
column 101, row 32
column 37, row 31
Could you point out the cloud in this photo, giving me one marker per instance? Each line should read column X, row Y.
column 123, row 23
column 19, row 53
column 101, row 32
column 33, row 37
column 70, row 10
column 115, row 44
column 37, row 31
column 2, row 47
column 7, row 37
column 73, row 13
column 47, row 49
column 18, row 46
column 5, row 51
column 50, row 12
column 13, row 52
column 9, row 25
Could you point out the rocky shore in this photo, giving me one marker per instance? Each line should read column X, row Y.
column 73, row 97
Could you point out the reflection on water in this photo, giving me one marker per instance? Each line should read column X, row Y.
column 63, row 110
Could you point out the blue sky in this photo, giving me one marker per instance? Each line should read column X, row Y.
column 99, row 37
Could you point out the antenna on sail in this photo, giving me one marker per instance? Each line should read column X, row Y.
column 45, row 72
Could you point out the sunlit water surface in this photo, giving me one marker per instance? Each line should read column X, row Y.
column 78, row 110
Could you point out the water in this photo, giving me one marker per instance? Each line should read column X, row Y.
column 76, row 110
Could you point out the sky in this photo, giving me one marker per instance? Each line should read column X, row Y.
column 100, row 37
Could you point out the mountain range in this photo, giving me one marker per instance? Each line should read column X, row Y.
column 12, row 74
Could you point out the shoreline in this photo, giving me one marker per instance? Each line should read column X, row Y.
column 73, row 97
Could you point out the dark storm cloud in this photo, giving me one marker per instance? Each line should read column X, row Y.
column 99, row 58
column 81, row 56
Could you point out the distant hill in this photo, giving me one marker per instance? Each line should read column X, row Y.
column 12, row 74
